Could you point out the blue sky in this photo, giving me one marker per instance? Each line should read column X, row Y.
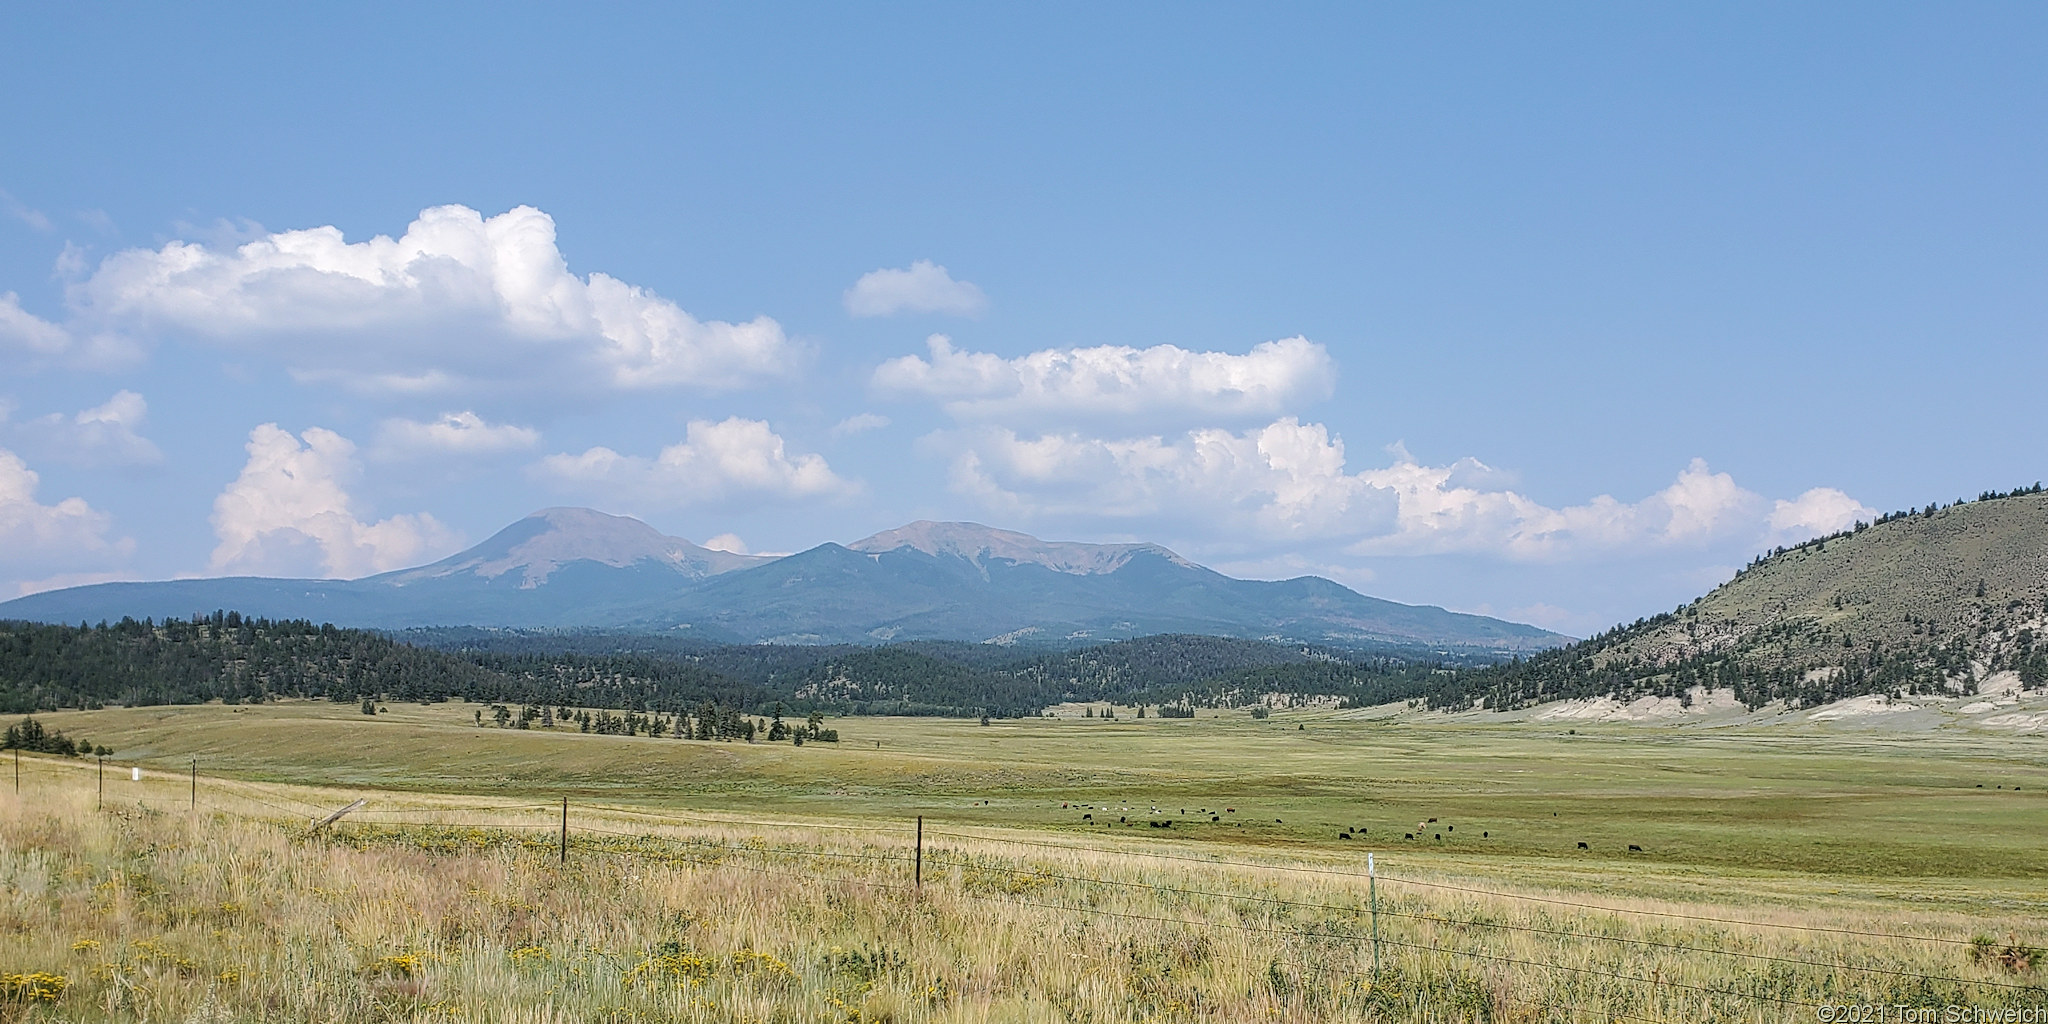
column 1556, row 314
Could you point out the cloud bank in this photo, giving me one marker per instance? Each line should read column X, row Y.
column 1281, row 481
column 289, row 513
column 1288, row 484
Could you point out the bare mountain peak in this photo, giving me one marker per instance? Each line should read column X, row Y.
column 977, row 543
column 545, row 541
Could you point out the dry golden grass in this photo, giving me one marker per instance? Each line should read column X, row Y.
column 234, row 913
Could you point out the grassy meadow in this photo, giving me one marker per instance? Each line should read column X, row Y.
column 725, row 881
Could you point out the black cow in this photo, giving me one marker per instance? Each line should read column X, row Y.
column 1582, row 846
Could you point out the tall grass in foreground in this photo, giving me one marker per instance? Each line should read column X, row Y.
column 131, row 914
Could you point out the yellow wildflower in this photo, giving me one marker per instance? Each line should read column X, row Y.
column 35, row 987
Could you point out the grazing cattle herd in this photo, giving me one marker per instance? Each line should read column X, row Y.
column 1346, row 833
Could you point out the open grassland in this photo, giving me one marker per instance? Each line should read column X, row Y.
column 721, row 881
column 232, row 912
column 1833, row 801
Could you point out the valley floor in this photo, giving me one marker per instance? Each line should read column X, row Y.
column 1774, row 870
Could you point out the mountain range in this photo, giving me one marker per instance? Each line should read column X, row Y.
column 574, row 568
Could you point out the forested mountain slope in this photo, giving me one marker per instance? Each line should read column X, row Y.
column 233, row 658
column 1932, row 600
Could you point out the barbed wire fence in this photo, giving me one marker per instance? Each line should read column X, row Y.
column 705, row 851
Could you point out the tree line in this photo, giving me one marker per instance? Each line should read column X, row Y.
column 29, row 735
column 723, row 689
column 718, row 692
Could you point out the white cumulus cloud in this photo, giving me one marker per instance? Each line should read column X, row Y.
column 923, row 287
column 28, row 333
column 460, row 301
column 290, row 513
column 731, row 458
column 103, row 435
column 727, row 542
column 455, row 433
column 69, row 537
column 1818, row 512
column 1113, row 380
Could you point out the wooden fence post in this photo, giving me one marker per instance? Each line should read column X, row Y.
column 917, row 879
column 565, row 830
column 318, row 824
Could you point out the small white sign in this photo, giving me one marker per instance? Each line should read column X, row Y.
column 135, row 774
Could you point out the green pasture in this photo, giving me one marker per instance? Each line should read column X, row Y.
column 1912, row 813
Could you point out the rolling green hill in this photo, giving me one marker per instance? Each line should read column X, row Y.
column 1935, row 600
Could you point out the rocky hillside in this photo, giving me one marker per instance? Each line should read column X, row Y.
column 1932, row 600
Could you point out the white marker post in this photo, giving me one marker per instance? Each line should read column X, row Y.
column 1372, row 882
